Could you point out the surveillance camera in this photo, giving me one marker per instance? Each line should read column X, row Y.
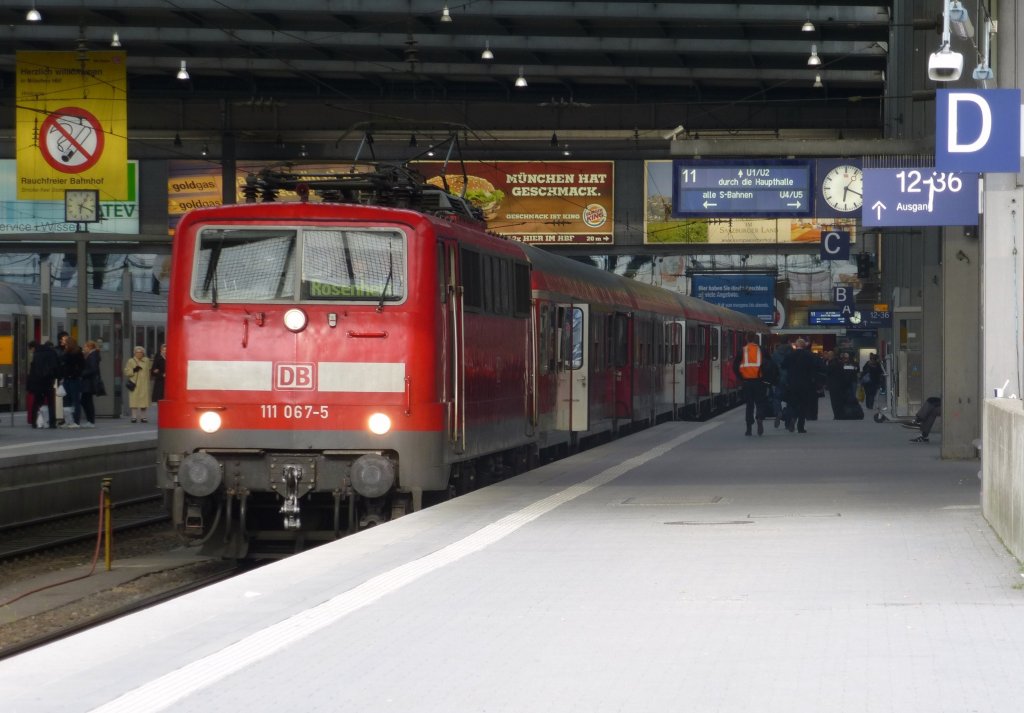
column 945, row 66
column 674, row 134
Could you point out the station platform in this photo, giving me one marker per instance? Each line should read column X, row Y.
column 686, row 567
column 46, row 472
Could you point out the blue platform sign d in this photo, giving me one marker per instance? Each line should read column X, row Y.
column 835, row 245
column 978, row 130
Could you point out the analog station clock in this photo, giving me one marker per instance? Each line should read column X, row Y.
column 81, row 206
column 843, row 188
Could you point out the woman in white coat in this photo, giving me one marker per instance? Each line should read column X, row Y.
column 137, row 371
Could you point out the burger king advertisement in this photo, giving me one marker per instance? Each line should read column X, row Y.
column 546, row 202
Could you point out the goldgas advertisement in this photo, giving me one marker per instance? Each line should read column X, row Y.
column 548, row 202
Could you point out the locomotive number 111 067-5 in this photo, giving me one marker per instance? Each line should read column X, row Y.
column 293, row 411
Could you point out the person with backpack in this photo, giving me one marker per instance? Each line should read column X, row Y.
column 747, row 366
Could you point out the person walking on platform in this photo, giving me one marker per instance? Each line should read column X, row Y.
column 42, row 373
column 747, row 365
column 159, row 373
column 782, row 350
column 138, row 371
column 92, row 382
column 872, row 379
column 930, row 410
column 799, row 366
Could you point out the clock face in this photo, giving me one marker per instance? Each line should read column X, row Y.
column 81, row 206
column 843, row 188
column 855, row 318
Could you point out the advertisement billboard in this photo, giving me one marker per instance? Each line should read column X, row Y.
column 750, row 294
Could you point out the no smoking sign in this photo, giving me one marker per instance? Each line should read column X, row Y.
column 71, row 140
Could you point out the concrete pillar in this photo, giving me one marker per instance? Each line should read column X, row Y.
column 1002, row 292
column 961, row 343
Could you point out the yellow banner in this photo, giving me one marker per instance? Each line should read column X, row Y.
column 72, row 124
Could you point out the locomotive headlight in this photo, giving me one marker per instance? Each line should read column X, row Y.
column 372, row 475
column 200, row 474
column 295, row 320
column 379, row 423
column 210, row 421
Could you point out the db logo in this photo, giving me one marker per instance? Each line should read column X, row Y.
column 294, row 376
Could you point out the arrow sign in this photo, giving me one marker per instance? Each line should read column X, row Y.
column 753, row 189
column 919, row 196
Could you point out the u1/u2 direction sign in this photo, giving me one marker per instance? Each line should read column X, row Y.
column 751, row 189
column 919, row 196
column 978, row 130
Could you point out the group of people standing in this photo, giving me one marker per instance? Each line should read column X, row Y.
column 788, row 380
column 69, row 376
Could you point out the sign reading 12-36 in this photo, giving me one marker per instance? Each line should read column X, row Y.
column 919, row 196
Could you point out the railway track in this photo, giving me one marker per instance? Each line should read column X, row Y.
column 67, row 628
column 44, row 534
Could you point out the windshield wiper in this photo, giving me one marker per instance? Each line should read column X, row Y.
column 391, row 272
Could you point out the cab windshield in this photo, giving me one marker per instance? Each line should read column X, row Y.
column 287, row 265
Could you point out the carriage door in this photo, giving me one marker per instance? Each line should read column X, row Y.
column 677, row 362
column 573, row 408
column 452, row 346
column 716, row 359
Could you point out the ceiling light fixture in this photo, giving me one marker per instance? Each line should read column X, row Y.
column 808, row 25
column 521, row 80
column 814, row 60
column 983, row 72
column 959, row 20
column 206, row 150
column 115, row 41
column 33, row 15
column 302, row 151
column 183, row 72
column 817, row 82
column 487, row 54
column 446, row 16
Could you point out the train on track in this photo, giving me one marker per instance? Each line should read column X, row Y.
column 335, row 364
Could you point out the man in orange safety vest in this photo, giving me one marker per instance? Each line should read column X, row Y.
column 747, row 366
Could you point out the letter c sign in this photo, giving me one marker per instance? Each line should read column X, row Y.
column 835, row 245
column 978, row 131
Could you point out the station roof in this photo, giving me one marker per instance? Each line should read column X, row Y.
column 322, row 71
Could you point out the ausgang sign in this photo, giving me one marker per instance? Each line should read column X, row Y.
column 977, row 130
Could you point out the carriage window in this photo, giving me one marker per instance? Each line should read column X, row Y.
column 472, row 297
column 239, row 265
column 353, row 265
column 521, row 306
column 621, row 341
column 577, row 338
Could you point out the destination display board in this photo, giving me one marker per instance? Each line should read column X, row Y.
column 741, row 189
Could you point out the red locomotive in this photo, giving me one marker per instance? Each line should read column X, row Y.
column 335, row 364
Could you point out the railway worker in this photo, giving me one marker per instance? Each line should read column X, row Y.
column 137, row 370
column 800, row 374
column 748, row 365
